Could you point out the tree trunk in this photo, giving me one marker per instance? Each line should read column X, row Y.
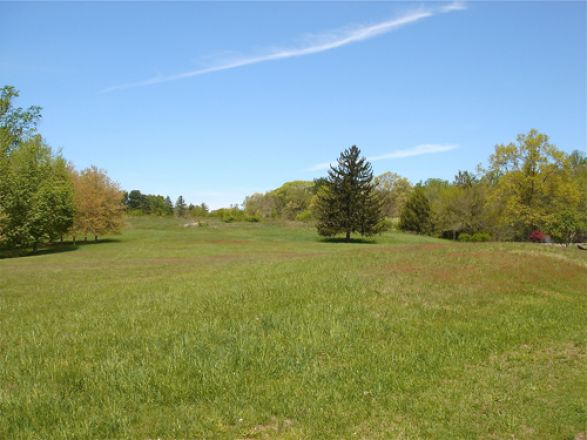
column 96, row 238
column 86, row 239
column 73, row 239
column 348, row 236
column 61, row 238
column 35, row 246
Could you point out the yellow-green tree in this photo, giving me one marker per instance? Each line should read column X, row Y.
column 531, row 182
column 394, row 190
column 98, row 204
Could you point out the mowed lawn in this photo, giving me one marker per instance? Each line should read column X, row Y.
column 242, row 331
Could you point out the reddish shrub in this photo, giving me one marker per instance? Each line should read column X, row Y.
column 537, row 236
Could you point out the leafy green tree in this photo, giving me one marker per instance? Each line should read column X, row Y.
column 465, row 179
column 135, row 200
column 36, row 195
column 16, row 126
column 16, row 123
column 460, row 207
column 262, row 205
column 394, row 190
column 287, row 202
column 56, row 196
column 531, row 181
column 577, row 162
column 348, row 202
column 565, row 225
column 416, row 215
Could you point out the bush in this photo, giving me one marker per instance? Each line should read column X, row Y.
column 304, row 216
column 463, row 236
column 480, row 236
column 537, row 236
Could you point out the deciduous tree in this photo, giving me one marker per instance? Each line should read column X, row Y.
column 531, row 183
column 394, row 190
column 98, row 204
column 36, row 195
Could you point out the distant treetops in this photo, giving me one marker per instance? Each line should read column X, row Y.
column 42, row 197
column 530, row 188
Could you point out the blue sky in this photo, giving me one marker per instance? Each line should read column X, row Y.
column 217, row 100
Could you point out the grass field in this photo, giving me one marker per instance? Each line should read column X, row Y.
column 243, row 331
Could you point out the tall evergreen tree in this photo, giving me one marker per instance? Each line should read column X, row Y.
column 348, row 202
column 180, row 207
column 416, row 215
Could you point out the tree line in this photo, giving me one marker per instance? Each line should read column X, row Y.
column 43, row 197
column 529, row 190
column 138, row 203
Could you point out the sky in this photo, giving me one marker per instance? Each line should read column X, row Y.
column 217, row 100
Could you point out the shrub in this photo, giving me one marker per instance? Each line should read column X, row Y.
column 480, row 236
column 389, row 224
column 537, row 236
column 304, row 216
column 463, row 236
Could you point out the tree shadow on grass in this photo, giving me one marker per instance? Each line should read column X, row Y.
column 351, row 241
column 52, row 248
column 93, row 242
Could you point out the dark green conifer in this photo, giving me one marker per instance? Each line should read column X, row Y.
column 416, row 215
column 347, row 201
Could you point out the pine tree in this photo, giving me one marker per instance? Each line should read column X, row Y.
column 180, row 207
column 416, row 215
column 168, row 206
column 348, row 202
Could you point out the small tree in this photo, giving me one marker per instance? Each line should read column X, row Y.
column 347, row 202
column 180, row 207
column 135, row 200
column 565, row 225
column 416, row 216
column 98, row 204
column 394, row 190
column 168, row 206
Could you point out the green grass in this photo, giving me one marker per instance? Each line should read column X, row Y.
column 264, row 331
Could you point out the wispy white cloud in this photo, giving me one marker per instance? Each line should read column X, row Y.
column 418, row 150
column 313, row 44
column 454, row 6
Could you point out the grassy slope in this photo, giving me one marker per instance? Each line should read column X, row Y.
column 260, row 331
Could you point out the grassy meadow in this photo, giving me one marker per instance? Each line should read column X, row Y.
column 259, row 331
